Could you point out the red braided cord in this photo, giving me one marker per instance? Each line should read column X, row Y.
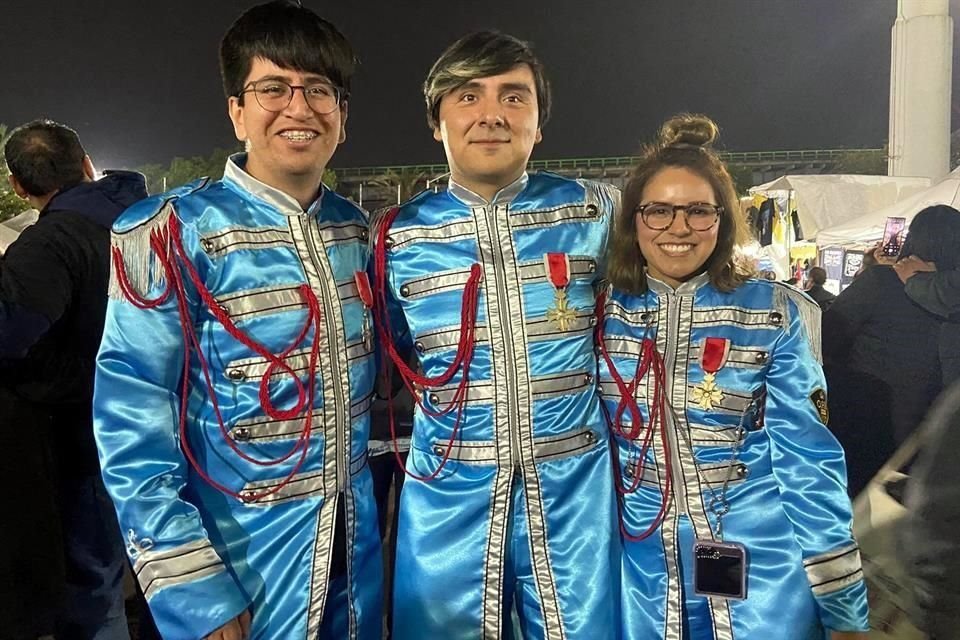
column 190, row 338
column 411, row 378
column 224, row 319
column 313, row 317
column 186, row 323
column 651, row 357
column 129, row 292
column 167, row 246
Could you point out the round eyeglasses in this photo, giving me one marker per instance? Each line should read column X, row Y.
column 659, row 216
column 276, row 95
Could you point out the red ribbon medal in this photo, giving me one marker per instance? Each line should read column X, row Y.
column 713, row 356
column 366, row 296
column 557, row 266
column 363, row 287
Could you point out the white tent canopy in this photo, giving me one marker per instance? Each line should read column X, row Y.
column 868, row 228
column 826, row 201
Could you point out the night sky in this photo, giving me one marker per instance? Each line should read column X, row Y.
column 139, row 80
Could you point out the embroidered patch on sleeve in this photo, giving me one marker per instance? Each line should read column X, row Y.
column 819, row 400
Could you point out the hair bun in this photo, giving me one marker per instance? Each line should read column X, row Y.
column 688, row 130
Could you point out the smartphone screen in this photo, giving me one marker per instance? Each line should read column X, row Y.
column 893, row 236
column 720, row 570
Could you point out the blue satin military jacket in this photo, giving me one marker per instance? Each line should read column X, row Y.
column 785, row 480
column 531, row 424
column 202, row 556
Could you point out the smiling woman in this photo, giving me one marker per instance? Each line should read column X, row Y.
column 678, row 171
column 731, row 486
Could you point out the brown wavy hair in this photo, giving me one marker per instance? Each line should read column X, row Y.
column 685, row 141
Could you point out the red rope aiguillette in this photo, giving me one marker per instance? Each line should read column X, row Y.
column 415, row 381
column 648, row 359
column 167, row 244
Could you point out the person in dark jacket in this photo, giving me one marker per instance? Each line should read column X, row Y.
column 53, row 293
column 931, row 544
column 881, row 353
column 818, row 277
column 938, row 291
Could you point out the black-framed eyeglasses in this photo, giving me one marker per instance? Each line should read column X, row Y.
column 659, row 216
column 276, row 95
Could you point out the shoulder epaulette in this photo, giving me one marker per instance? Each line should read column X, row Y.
column 808, row 309
column 130, row 239
column 144, row 212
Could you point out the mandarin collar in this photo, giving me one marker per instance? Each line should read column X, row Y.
column 504, row 196
column 685, row 288
column 235, row 174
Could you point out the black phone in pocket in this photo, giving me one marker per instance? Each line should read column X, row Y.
column 720, row 569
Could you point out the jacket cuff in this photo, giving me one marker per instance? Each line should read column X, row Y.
column 189, row 590
column 845, row 610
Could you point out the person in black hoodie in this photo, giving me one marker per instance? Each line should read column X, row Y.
column 881, row 351
column 53, row 293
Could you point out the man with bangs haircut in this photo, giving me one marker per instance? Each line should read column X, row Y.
column 236, row 370
column 510, row 506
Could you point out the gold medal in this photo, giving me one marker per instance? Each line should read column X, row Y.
column 713, row 356
column 707, row 393
column 560, row 314
column 557, row 266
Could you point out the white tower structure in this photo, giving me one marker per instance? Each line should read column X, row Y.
column 920, row 84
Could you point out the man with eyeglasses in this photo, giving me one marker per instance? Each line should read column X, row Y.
column 236, row 370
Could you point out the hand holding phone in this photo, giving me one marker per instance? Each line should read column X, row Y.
column 893, row 236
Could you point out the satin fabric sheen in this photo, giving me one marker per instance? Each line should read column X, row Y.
column 791, row 506
column 272, row 554
column 506, row 532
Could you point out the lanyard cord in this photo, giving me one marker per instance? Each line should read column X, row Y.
column 719, row 506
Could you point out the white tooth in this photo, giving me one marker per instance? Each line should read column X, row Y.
column 299, row 136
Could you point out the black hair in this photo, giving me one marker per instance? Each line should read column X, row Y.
column 290, row 36
column 935, row 237
column 45, row 156
column 818, row 275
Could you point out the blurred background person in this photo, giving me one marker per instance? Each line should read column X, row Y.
column 53, row 297
column 881, row 351
column 815, row 281
column 931, row 544
column 934, row 284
